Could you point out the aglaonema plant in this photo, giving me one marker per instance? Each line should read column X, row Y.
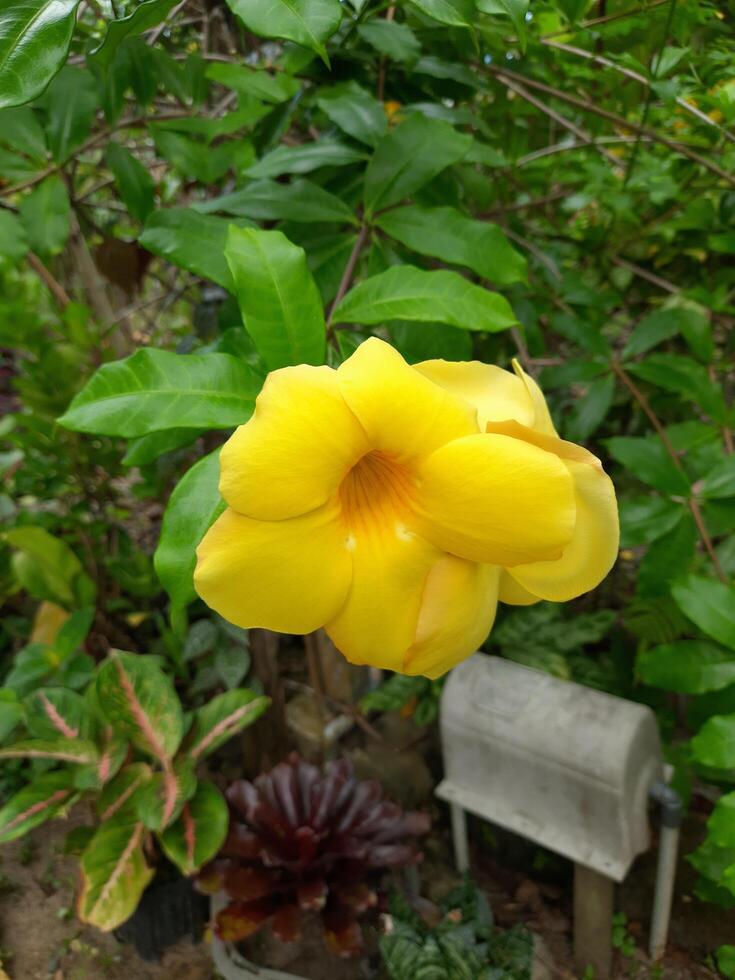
column 127, row 747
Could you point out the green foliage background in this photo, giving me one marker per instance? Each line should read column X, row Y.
column 468, row 178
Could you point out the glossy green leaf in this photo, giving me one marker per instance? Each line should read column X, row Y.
column 456, row 13
column 647, row 459
column 307, row 22
column 133, row 181
column 356, row 112
column 268, row 200
column 451, row 236
column 34, row 40
column 426, row 341
column 666, row 558
column 709, row 604
column 392, row 39
column 193, row 506
column 720, row 481
column 154, row 389
column 114, row 873
column 147, row 14
column 687, row 667
column 21, row 130
column 70, row 103
column 406, row 293
column 304, row 158
column 46, row 216
column 409, row 157
column 714, row 745
column 147, row 449
column 192, row 241
column 644, row 519
column 279, row 301
column 254, row 83
column 199, row 832
column 43, row 798
column 139, row 700
column 221, row 718
column 591, row 409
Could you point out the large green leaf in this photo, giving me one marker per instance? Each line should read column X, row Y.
column 710, row 604
column 408, row 157
column 192, row 241
column 687, row 667
column 714, row 745
column 254, row 83
column 34, row 39
column 70, row 104
column 456, row 13
column 391, row 38
column 114, row 873
column 406, row 293
column 154, row 389
column 307, row 22
column 160, row 801
column 74, row 750
column 683, row 376
column 146, row 14
column 199, row 832
column 134, row 183
column 354, row 110
column 46, row 216
column 453, row 237
column 647, row 459
column 279, row 301
column 192, row 508
column 304, row 158
column 268, row 200
column 139, row 701
column 40, row 800
column 121, row 793
column 54, row 711
column 221, row 718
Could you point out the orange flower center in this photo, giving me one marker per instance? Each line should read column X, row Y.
column 376, row 494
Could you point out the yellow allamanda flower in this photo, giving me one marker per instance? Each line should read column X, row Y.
column 394, row 505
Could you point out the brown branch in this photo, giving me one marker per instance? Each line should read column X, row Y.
column 348, row 273
column 607, row 19
column 642, row 273
column 692, row 502
column 49, row 280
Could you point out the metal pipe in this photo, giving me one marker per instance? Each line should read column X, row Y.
column 668, row 847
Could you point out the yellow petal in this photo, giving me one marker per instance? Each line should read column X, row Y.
column 457, row 612
column 291, row 576
column 496, row 394
column 542, row 420
column 377, row 624
column 403, row 413
column 512, row 593
column 292, row 454
column 594, row 546
column 495, row 499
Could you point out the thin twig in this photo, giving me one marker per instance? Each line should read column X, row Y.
column 164, row 24
column 607, row 19
column 562, row 147
column 348, row 273
column 642, row 273
column 54, row 286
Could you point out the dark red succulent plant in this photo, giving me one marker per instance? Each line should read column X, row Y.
column 306, row 840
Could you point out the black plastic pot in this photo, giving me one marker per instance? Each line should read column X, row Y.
column 169, row 911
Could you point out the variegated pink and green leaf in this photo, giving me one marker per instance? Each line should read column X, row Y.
column 74, row 750
column 220, row 719
column 54, row 711
column 47, row 796
column 121, row 793
column 114, row 872
column 199, row 832
column 160, row 802
column 135, row 696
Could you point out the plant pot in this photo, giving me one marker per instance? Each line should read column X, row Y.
column 169, row 911
column 231, row 964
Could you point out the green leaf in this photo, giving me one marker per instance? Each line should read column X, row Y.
column 687, row 667
column 644, row 519
column 647, row 460
column 714, row 745
column 114, row 873
column 710, row 605
column 21, row 130
column 154, row 389
column 14, row 242
column 192, row 508
column 688, row 320
column 279, row 301
column 54, row 711
column 146, row 449
column 134, row 183
column 590, row 411
column 304, row 158
column 192, row 241
column 147, row 14
column 56, row 569
column 683, row 376
column 161, row 799
column 406, row 293
column 70, row 103
column 46, row 216
column 427, row 341
column 45, row 797
column 254, row 83
column 726, row 959
column 307, row 22
column 456, row 13
column 221, row 718
column 720, row 481
column 199, row 161
column 451, row 236
column 409, row 157
column 199, row 832
column 392, row 39
column 267, row 200
column 34, row 40
column 74, row 750
column 356, row 112
column 121, row 793
column 12, row 712
column 667, row 558
column 139, row 700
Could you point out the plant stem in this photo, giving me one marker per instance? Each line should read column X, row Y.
column 348, row 274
